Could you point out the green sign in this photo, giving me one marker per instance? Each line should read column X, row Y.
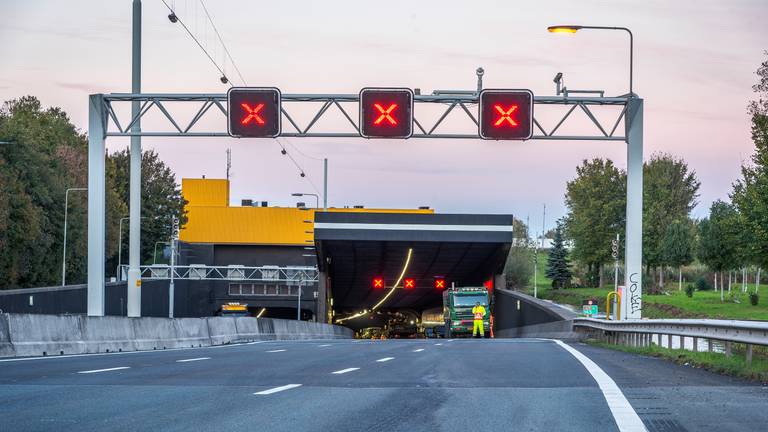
column 589, row 308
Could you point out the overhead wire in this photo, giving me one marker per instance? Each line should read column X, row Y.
column 226, row 50
column 194, row 38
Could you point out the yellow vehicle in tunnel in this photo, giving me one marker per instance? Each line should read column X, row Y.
column 457, row 310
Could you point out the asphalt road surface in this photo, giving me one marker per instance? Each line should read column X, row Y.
column 419, row 385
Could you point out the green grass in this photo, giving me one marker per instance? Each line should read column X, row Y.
column 674, row 304
column 714, row 362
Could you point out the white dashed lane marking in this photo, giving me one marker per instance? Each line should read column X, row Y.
column 385, row 359
column 343, row 371
column 274, row 351
column 418, row 350
column 193, row 359
column 104, row 370
column 277, row 389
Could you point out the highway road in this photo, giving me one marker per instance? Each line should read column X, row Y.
column 352, row 385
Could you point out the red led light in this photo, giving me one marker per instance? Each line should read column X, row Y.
column 440, row 283
column 505, row 116
column 378, row 283
column 252, row 114
column 385, row 114
column 409, row 283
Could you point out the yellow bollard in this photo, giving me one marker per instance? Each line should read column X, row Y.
column 608, row 305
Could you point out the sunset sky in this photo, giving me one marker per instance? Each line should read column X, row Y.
column 694, row 66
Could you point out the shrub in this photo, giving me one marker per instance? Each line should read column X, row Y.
column 519, row 267
column 689, row 290
column 754, row 298
column 702, row 284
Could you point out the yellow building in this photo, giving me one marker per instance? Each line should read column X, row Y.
column 212, row 220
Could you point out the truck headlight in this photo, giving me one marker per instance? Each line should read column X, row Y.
column 456, row 323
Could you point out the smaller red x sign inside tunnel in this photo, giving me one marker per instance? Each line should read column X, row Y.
column 378, row 282
column 439, row 283
column 409, row 283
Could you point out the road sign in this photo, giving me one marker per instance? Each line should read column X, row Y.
column 506, row 114
column 386, row 112
column 589, row 308
column 253, row 112
column 378, row 282
column 439, row 283
column 409, row 283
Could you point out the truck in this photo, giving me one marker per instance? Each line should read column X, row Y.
column 457, row 310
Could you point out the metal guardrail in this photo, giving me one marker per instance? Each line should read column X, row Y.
column 639, row 332
column 266, row 274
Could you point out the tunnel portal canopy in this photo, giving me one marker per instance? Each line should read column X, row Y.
column 356, row 248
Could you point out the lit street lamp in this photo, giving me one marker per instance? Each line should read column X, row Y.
column 64, row 253
column 572, row 29
column 317, row 198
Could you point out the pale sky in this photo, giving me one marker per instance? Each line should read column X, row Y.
column 694, row 66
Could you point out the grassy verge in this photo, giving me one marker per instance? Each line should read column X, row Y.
column 714, row 362
column 673, row 304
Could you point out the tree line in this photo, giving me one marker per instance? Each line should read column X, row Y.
column 45, row 155
column 733, row 238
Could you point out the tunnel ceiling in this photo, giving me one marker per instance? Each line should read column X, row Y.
column 353, row 249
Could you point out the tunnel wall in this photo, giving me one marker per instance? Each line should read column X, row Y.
column 532, row 318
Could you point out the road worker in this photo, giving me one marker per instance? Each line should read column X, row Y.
column 479, row 313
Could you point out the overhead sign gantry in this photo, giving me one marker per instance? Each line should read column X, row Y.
column 503, row 114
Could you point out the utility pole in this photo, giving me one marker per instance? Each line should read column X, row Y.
column 543, row 226
column 298, row 301
column 134, row 223
column 615, row 253
column 325, row 184
column 229, row 161
column 171, row 286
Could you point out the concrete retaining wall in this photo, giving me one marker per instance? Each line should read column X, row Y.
column 39, row 335
column 520, row 315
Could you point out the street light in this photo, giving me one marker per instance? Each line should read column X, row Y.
column 572, row 29
column 64, row 253
column 317, row 198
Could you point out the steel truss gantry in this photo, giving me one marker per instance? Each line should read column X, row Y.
column 104, row 121
column 207, row 106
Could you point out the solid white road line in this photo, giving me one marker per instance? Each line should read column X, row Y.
column 277, row 389
column 193, row 359
column 103, row 370
column 255, row 342
column 385, row 359
column 625, row 416
column 274, row 351
column 418, row 350
column 343, row 371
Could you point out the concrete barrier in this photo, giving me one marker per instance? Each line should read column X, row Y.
column 38, row 335
column 6, row 347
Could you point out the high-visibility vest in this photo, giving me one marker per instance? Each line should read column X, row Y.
column 478, row 312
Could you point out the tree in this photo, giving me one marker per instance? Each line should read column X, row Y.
column 719, row 240
column 750, row 193
column 558, row 267
column 678, row 246
column 519, row 266
column 670, row 190
column 596, row 201
column 161, row 199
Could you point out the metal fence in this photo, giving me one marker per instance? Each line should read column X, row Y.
column 269, row 274
column 642, row 332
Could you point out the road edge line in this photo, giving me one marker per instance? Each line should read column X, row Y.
column 624, row 415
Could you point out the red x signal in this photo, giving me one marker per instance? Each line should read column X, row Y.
column 409, row 283
column 378, row 283
column 253, row 114
column 384, row 114
column 505, row 115
column 439, row 283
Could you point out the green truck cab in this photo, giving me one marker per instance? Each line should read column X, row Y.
column 457, row 310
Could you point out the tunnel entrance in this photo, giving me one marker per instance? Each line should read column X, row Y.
column 379, row 270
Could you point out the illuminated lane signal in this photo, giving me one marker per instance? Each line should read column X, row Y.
column 409, row 283
column 439, row 283
column 378, row 282
column 506, row 114
column 386, row 112
column 253, row 112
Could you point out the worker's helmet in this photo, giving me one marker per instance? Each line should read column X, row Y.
column 477, row 303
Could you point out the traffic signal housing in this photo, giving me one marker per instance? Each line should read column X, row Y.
column 386, row 112
column 253, row 112
column 506, row 114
